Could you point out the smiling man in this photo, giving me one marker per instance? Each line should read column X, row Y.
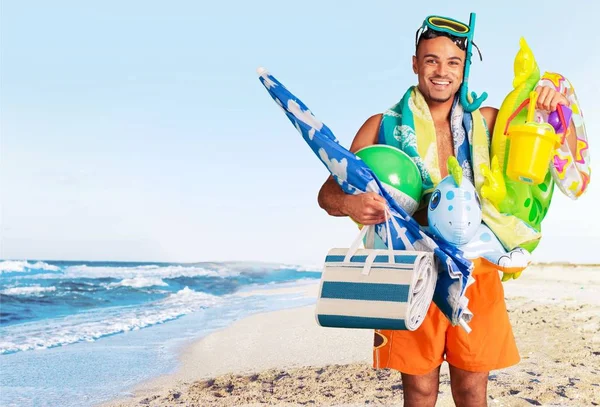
column 430, row 124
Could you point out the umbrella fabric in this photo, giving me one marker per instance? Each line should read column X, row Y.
column 354, row 177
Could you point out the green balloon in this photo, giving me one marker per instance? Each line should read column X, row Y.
column 397, row 171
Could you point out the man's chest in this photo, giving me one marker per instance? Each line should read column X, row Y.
column 445, row 146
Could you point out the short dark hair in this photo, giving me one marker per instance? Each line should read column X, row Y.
column 427, row 34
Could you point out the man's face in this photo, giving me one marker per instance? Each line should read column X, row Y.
column 439, row 64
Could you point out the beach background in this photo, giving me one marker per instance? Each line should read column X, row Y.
column 229, row 334
column 160, row 239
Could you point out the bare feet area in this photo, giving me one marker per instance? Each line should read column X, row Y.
column 284, row 358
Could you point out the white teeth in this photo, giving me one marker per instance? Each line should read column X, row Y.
column 440, row 83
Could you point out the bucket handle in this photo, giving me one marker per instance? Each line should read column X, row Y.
column 533, row 95
column 561, row 116
column 514, row 114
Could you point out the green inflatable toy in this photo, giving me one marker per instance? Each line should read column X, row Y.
column 397, row 172
column 529, row 203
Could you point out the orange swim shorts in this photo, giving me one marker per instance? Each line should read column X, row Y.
column 490, row 345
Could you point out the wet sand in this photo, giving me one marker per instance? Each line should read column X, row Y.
column 285, row 358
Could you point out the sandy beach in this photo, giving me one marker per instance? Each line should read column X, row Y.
column 285, row 358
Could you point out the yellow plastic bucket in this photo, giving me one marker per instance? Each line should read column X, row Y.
column 531, row 148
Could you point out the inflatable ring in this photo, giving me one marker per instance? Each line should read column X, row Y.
column 571, row 172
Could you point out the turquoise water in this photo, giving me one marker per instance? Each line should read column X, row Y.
column 79, row 333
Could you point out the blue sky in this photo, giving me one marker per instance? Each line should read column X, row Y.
column 139, row 130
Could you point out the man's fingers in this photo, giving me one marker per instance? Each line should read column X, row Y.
column 553, row 102
column 378, row 198
column 370, row 209
column 369, row 212
column 374, row 211
column 544, row 99
column 558, row 99
column 375, row 201
column 372, row 220
column 380, row 206
column 549, row 99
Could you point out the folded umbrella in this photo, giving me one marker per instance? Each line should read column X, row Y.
column 355, row 177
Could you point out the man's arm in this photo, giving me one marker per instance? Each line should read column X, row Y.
column 367, row 208
column 490, row 114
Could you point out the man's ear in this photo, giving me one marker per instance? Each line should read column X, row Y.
column 414, row 64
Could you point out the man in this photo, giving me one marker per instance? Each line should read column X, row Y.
column 439, row 63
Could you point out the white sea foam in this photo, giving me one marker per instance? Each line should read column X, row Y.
column 34, row 290
column 98, row 323
column 140, row 282
column 217, row 270
column 24, row 266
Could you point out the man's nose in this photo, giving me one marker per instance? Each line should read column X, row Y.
column 441, row 69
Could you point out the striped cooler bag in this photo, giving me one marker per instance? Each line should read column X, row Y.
column 375, row 288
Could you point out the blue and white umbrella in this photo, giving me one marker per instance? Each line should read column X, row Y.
column 354, row 177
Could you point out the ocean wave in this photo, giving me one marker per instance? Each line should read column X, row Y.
column 139, row 272
column 34, row 290
column 95, row 324
column 306, row 268
column 164, row 272
column 140, row 282
column 24, row 266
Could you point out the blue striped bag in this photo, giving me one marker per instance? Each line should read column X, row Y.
column 375, row 288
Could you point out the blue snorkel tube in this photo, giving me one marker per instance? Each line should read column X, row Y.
column 464, row 91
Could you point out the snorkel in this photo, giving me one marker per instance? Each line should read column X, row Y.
column 464, row 100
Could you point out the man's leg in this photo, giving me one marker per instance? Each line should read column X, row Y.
column 489, row 346
column 421, row 390
column 469, row 389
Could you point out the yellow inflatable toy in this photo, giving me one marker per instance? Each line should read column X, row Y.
column 521, row 181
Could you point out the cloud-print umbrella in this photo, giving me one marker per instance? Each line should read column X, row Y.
column 354, row 177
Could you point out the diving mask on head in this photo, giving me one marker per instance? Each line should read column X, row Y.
column 462, row 35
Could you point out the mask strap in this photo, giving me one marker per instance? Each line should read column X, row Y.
column 478, row 51
column 417, row 34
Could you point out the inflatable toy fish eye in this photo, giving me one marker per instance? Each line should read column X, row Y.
column 435, row 199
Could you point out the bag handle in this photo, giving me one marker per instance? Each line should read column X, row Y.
column 354, row 247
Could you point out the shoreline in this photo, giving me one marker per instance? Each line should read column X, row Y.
column 198, row 358
column 231, row 366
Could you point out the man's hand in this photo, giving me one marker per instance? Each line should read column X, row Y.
column 549, row 99
column 366, row 209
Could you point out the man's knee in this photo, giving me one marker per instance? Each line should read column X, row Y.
column 421, row 390
column 469, row 389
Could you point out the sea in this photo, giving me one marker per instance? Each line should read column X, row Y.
column 79, row 333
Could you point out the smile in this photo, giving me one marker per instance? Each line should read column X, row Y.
column 439, row 83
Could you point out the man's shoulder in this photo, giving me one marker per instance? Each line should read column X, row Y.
column 368, row 133
column 489, row 113
column 374, row 117
column 371, row 124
